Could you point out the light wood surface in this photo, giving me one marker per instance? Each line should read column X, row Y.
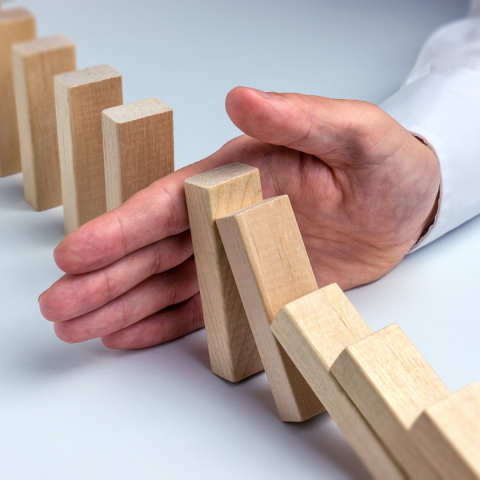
column 16, row 25
column 271, row 268
column 35, row 63
column 314, row 330
column 391, row 384
column 138, row 147
column 80, row 97
column 233, row 352
column 448, row 433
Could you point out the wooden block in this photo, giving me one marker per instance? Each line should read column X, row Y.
column 138, row 147
column 448, row 433
column 391, row 384
column 314, row 330
column 271, row 268
column 16, row 25
column 233, row 352
column 80, row 97
column 34, row 65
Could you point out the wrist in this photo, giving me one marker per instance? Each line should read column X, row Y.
column 430, row 218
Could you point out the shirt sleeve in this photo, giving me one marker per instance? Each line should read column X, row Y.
column 440, row 103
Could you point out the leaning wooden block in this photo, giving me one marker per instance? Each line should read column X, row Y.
column 233, row 352
column 391, row 384
column 35, row 63
column 81, row 96
column 314, row 330
column 16, row 25
column 138, row 147
column 448, row 433
column 271, row 268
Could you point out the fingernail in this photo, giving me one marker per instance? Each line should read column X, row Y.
column 42, row 294
column 263, row 94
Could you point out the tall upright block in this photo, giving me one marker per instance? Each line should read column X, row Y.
column 314, row 330
column 271, row 268
column 233, row 352
column 16, row 25
column 138, row 147
column 80, row 98
column 448, row 433
column 35, row 63
column 391, row 384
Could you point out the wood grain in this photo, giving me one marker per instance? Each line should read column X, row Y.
column 16, row 25
column 138, row 147
column 391, row 384
column 448, row 433
column 271, row 268
column 35, row 63
column 80, row 98
column 233, row 352
column 314, row 330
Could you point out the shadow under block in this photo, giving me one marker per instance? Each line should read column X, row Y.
column 391, row 384
column 448, row 433
column 80, row 98
column 138, row 147
column 35, row 63
column 233, row 352
column 271, row 268
column 314, row 330
column 16, row 25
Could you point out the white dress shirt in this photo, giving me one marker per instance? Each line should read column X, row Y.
column 440, row 102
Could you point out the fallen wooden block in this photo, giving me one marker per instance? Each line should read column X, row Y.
column 16, row 25
column 271, row 268
column 448, row 434
column 138, row 147
column 35, row 63
column 314, row 330
column 80, row 97
column 391, row 384
column 233, row 352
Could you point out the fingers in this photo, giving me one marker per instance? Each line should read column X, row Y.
column 324, row 127
column 154, row 213
column 76, row 295
column 152, row 295
column 161, row 327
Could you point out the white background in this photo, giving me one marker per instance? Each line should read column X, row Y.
column 83, row 411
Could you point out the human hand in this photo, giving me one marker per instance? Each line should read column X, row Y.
column 363, row 189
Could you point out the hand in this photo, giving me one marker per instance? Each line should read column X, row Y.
column 362, row 187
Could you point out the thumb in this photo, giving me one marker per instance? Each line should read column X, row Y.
column 324, row 127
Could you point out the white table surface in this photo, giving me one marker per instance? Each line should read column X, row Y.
column 83, row 411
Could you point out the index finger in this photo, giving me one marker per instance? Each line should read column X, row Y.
column 152, row 214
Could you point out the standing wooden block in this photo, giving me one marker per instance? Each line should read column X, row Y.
column 448, row 433
column 16, row 25
column 391, row 384
column 271, row 268
column 80, row 97
column 233, row 352
column 314, row 330
column 35, row 63
column 138, row 147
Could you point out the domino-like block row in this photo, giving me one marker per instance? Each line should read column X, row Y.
column 51, row 121
column 314, row 330
column 399, row 417
column 383, row 380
